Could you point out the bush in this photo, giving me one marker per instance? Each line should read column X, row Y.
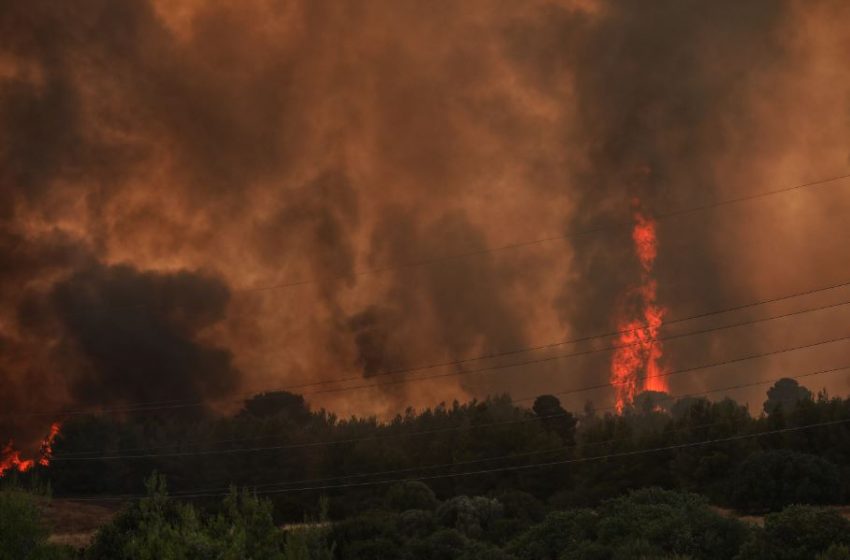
column 669, row 522
column 411, row 494
column 471, row 516
column 559, row 531
column 158, row 527
column 373, row 533
column 23, row 534
column 771, row 480
column 373, row 549
column 836, row 552
column 445, row 544
column 417, row 523
column 21, row 529
column 798, row 533
column 522, row 505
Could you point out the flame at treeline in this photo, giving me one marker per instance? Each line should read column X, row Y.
column 636, row 364
column 10, row 457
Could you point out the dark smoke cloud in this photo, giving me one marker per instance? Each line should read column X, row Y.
column 648, row 98
column 651, row 81
column 462, row 306
column 315, row 225
column 137, row 335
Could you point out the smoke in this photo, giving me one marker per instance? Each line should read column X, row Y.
column 137, row 334
column 650, row 83
column 261, row 195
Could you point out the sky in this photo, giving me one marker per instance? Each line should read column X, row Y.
column 204, row 199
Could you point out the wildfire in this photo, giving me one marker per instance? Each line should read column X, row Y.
column 10, row 458
column 636, row 365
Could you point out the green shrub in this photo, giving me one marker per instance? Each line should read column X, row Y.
column 673, row 522
column 23, row 533
column 411, row 494
column 417, row 523
column 373, row 533
column 158, row 527
column 471, row 516
column 835, row 552
column 521, row 505
column 445, row 544
column 21, row 529
column 798, row 533
column 559, row 531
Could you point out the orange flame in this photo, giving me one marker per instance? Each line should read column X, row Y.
column 646, row 244
column 10, row 458
column 636, row 365
column 47, row 445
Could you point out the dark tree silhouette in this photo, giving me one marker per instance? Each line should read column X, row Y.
column 555, row 418
column 785, row 393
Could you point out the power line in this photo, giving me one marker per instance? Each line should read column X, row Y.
column 590, row 231
column 555, row 344
column 581, row 353
column 633, row 453
column 696, row 368
column 352, row 440
column 81, row 455
column 521, row 244
column 571, row 461
column 557, row 449
column 454, row 464
column 176, row 404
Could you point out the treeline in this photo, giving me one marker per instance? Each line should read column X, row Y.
column 410, row 523
column 797, row 450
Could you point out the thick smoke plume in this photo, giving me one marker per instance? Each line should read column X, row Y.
column 199, row 198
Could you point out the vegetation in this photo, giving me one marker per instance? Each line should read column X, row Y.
column 23, row 534
column 649, row 523
column 484, row 479
column 655, row 443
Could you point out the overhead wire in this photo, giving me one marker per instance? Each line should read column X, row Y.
column 679, row 212
column 536, row 418
column 538, row 241
column 631, row 453
column 182, row 403
column 327, row 442
column 581, row 445
column 589, row 231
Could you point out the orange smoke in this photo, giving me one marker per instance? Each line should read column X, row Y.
column 636, row 365
column 10, row 458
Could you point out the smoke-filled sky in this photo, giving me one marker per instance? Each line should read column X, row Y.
column 203, row 198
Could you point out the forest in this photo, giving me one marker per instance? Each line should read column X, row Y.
column 484, row 479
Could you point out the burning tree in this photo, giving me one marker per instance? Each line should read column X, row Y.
column 636, row 364
column 10, row 457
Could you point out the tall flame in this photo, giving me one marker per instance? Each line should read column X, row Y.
column 10, row 458
column 636, row 365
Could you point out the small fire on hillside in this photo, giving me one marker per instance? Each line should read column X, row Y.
column 10, row 457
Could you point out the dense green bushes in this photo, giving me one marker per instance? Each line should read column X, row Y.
column 23, row 534
column 652, row 522
column 159, row 527
column 589, row 502
column 799, row 533
column 649, row 523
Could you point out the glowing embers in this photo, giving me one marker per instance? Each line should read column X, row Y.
column 636, row 364
column 10, row 458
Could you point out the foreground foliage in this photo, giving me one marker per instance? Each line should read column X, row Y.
column 644, row 524
column 23, row 534
column 496, row 481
